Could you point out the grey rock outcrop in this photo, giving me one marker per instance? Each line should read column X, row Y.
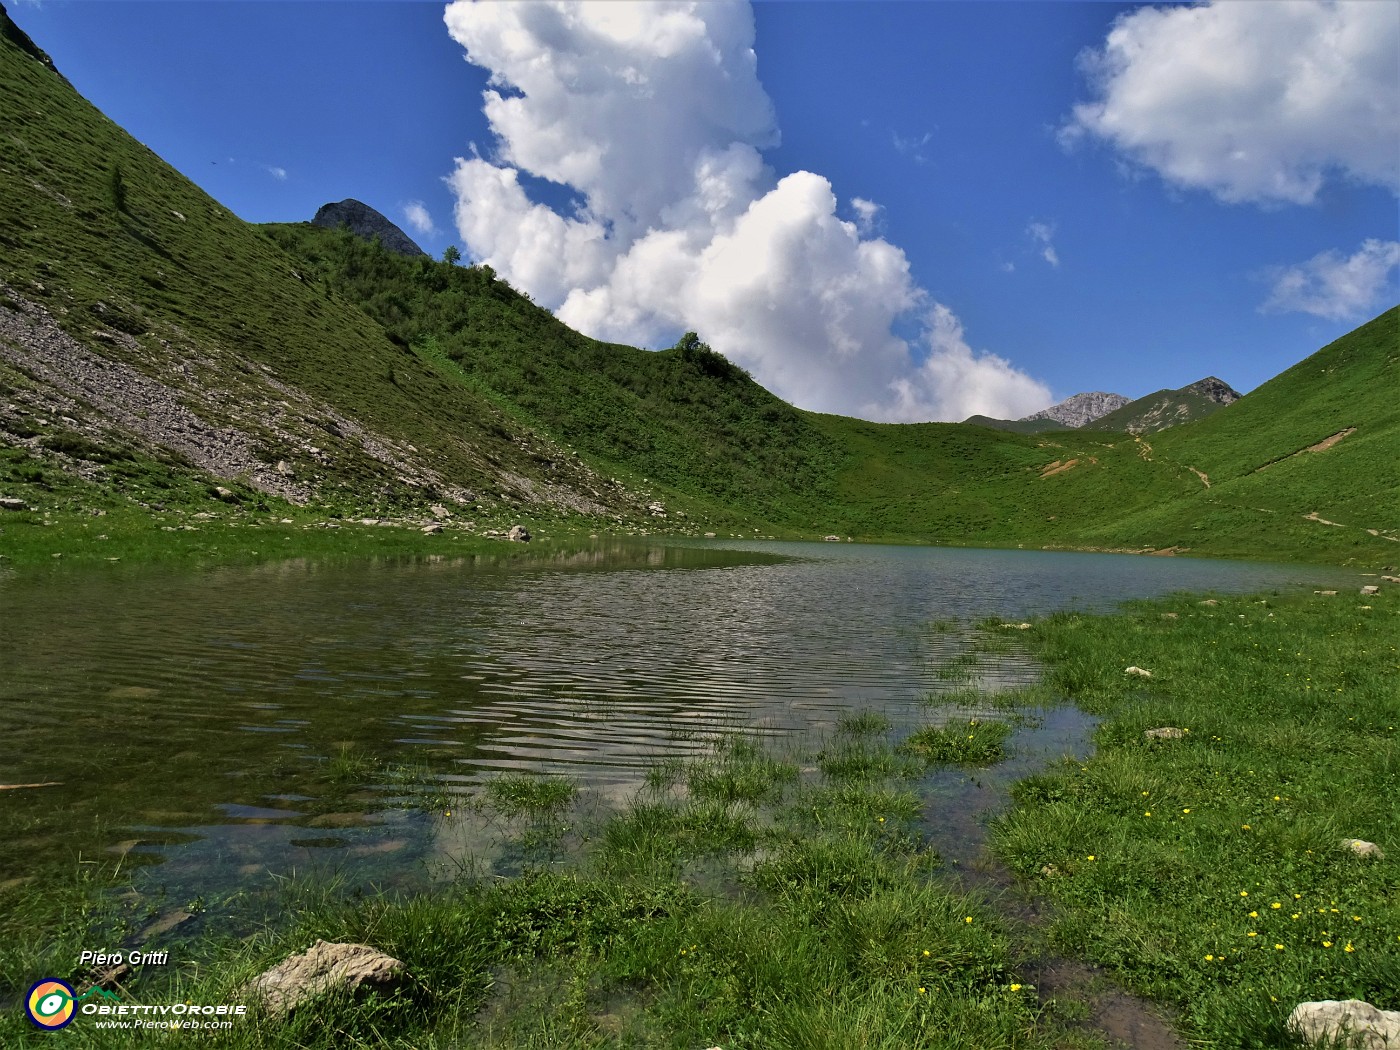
column 21, row 40
column 363, row 221
column 1346, row 1023
column 1081, row 408
column 324, row 967
column 1216, row 390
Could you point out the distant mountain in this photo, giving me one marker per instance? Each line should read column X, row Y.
column 1080, row 409
column 1030, row 425
column 1070, row 413
column 363, row 221
column 1168, row 408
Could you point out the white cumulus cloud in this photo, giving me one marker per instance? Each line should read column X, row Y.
column 417, row 216
column 653, row 116
column 1259, row 102
column 1336, row 287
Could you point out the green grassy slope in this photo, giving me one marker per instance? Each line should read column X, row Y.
column 683, row 418
column 1016, row 426
column 953, row 483
column 111, row 242
column 1264, row 482
column 1155, row 412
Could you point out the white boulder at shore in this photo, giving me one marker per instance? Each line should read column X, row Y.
column 1348, row 1023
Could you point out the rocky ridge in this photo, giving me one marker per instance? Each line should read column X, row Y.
column 219, row 414
column 1080, row 409
column 363, row 221
column 1213, row 390
column 1169, row 408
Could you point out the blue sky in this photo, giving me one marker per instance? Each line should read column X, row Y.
column 901, row 210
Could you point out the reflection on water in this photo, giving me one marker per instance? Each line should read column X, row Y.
column 196, row 718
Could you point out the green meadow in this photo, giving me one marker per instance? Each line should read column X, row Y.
column 1207, row 871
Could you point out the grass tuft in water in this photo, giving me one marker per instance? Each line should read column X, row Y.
column 350, row 766
column 975, row 741
column 742, row 772
column 521, row 794
column 864, row 723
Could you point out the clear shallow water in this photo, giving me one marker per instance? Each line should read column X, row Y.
column 190, row 719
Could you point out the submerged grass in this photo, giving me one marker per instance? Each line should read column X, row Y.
column 1207, row 869
column 732, row 904
column 977, row 741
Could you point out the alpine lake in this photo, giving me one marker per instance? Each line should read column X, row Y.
column 216, row 733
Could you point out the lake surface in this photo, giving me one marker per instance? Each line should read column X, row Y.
column 229, row 724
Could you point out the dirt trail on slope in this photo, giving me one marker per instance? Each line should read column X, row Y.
column 1320, row 446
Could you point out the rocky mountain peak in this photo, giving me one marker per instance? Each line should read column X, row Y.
column 363, row 221
column 1215, row 389
column 1082, row 408
column 21, row 40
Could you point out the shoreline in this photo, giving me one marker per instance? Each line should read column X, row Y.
column 1132, row 878
column 31, row 540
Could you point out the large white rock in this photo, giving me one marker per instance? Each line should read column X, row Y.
column 323, row 967
column 1348, row 1023
column 1362, row 848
